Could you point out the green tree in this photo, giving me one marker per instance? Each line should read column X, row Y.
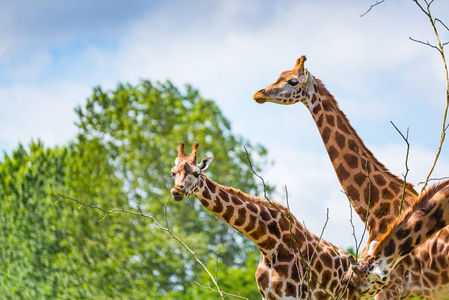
column 122, row 158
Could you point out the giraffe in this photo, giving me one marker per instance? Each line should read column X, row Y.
column 429, row 215
column 294, row 263
column 373, row 191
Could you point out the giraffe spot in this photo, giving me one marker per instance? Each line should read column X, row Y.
column 341, row 125
column 313, row 99
column 327, row 260
column 319, row 122
column 259, row 232
column 362, row 213
column 395, row 187
column 282, row 270
column 352, row 192
column 386, row 194
column 360, row 178
column 380, row 180
column 340, row 139
column 326, row 277
column 327, row 105
column 273, row 212
column 211, row 186
column 326, row 135
column 268, row 243
column 228, row 214
column 383, row 226
column 264, row 214
column 236, row 200
column 320, row 296
column 342, row 173
column 205, row 202
column 288, row 95
column 352, row 145
column 431, row 277
column 444, row 278
column 403, row 233
column 241, row 217
column 333, row 153
column 283, row 255
column 290, row 290
column 262, row 279
column 252, row 207
column 206, row 194
column 251, row 224
column 223, row 195
column 330, row 120
column 273, row 229
column 218, row 208
column 418, row 226
column 406, row 247
column 371, row 194
column 382, row 210
column 295, row 272
column 351, row 160
column 318, row 266
column 316, row 109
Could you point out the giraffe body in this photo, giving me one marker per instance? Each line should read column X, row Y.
column 294, row 263
column 376, row 195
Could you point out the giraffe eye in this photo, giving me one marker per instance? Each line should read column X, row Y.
column 173, row 174
column 293, row 81
column 197, row 174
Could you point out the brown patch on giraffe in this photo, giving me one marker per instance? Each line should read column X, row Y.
column 341, row 125
column 268, row 243
column 340, row 139
column 327, row 260
column 371, row 193
column 206, row 193
column 205, row 203
column 282, row 270
column 264, row 214
column 330, row 120
column 326, row 135
column 273, row 229
column 319, row 121
column 218, row 208
column 406, row 247
column 318, row 266
column 326, row 278
column 351, row 160
column 342, row 173
column 353, row 193
column 321, row 296
column 228, row 213
column 251, row 224
column 316, row 109
column 444, row 278
column 333, row 153
column 352, row 145
column 360, row 178
column 382, row 210
column 262, row 278
column 290, row 290
column 236, row 201
column 313, row 99
column 418, row 226
column 387, row 194
column 380, row 180
column 402, row 233
column 273, row 212
column 210, row 186
column 259, row 232
column 252, row 207
column 223, row 195
column 395, row 187
column 327, row 105
column 283, row 254
column 241, row 217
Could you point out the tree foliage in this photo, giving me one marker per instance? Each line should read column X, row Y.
column 122, row 158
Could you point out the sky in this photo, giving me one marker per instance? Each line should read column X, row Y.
column 53, row 54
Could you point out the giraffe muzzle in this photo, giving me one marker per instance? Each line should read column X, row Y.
column 259, row 97
column 177, row 193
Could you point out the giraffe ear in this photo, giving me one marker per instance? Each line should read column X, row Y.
column 205, row 162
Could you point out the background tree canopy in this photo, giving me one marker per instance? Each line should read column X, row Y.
column 122, row 158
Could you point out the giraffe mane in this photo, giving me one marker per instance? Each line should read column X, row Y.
column 416, row 206
column 323, row 91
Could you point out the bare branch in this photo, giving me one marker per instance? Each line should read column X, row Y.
column 371, row 7
column 215, row 291
column 433, row 179
column 441, row 22
column 404, row 187
column 425, row 43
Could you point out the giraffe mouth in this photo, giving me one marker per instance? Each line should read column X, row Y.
column 260, row 98
column 177, row 194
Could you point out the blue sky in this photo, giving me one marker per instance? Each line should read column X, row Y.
column 53, row 54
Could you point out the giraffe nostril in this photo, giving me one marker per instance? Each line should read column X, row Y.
column 262, row 91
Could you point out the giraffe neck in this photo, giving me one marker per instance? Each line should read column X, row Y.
column 373, row 191
column 428, row 216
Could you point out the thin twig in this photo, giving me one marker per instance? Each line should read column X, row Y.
column 371, row 7
column 434, row 179
column 404, row 187
column 215, row 291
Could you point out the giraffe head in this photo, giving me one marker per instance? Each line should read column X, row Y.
column 186, row 172
column 291, row 87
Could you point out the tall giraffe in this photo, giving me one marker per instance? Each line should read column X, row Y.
column 429, row 215
column 294, row 263
column 373, row 191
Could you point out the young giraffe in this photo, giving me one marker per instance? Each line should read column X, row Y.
column 429, row 215
column 294, row 263
column 372, row 190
